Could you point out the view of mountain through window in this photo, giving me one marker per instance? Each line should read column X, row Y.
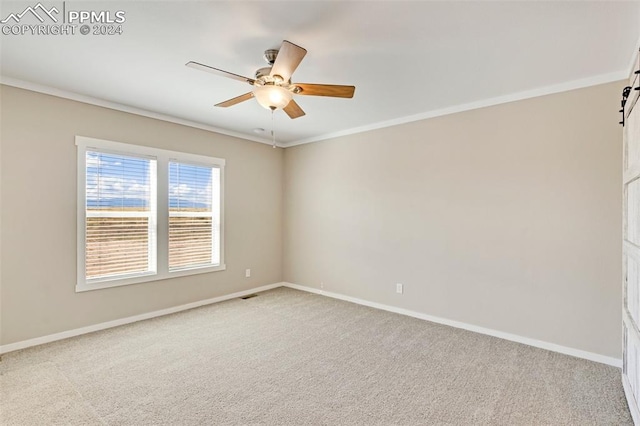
column 146, row 214
column 120, row 215
column 193, row 215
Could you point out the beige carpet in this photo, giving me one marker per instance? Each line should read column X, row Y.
column 292, row 358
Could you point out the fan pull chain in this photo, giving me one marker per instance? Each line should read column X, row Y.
column 273, row 132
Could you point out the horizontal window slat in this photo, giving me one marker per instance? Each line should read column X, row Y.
column 116, row 274
column 174, row 222
column 116, row 225
column 124, row 246
column 191, row 252
column 117, row 270
column 96, row 261
column 106, row 237
column 117, row 248
column 118, row 228
column 100, row 234
column 140, row 263
column 124, row 226
column 194, row 253
column 181, row 247
column 175, row 266
column 195, row 231
column 116, row 220
column 124, row 230
column 121, row 240
column 121, row 248
column 189, row 265
column 187, row 214
column 110, row 262
column 190, row 243
column 201, row 254
column 116, row 258
column 191, row 261
column 117, row 214
column 116, row 252
column 190, row 237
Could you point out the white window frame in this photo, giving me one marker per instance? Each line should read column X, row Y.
column 162, row 157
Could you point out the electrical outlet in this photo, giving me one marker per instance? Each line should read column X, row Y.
column 399, row 288
column 247, row 273
column 321, row 285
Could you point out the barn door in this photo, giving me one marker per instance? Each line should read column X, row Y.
column 631, row 243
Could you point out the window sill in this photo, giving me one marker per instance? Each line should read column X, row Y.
column 108, row 283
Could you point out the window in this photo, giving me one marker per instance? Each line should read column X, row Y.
column 194, row 229
column 120, row 229
column 146, row 214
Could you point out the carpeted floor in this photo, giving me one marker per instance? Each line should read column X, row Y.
column 291, row 358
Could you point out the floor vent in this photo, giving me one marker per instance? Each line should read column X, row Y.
column 249, row 296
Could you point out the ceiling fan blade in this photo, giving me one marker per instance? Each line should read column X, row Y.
column 293, row 110
column 288, row 59
column 202, row 67
column 332, row 90
column 236, row 100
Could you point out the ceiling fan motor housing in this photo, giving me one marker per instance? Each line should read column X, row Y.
column 264, row 77
column 270, row 55
column 263, row 72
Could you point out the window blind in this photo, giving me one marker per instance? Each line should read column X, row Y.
column 120, row 213
column 194, row 215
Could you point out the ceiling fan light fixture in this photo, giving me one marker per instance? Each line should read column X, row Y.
column 272, row 86
column 272, row 97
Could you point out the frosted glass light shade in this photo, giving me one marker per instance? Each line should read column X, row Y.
column 272, row 97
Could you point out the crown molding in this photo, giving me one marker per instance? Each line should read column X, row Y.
column 48, row 90
column 542, row 91
column 528, row 94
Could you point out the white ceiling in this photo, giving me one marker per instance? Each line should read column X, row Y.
column 406, row 59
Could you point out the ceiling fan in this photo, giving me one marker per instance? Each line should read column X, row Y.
column 272, row 85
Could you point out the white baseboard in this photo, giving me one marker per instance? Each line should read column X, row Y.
column 615, row 362
column 633, row 405
column 128, row 320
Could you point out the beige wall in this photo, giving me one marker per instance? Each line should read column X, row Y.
column 38, row 193
column 507, row 217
